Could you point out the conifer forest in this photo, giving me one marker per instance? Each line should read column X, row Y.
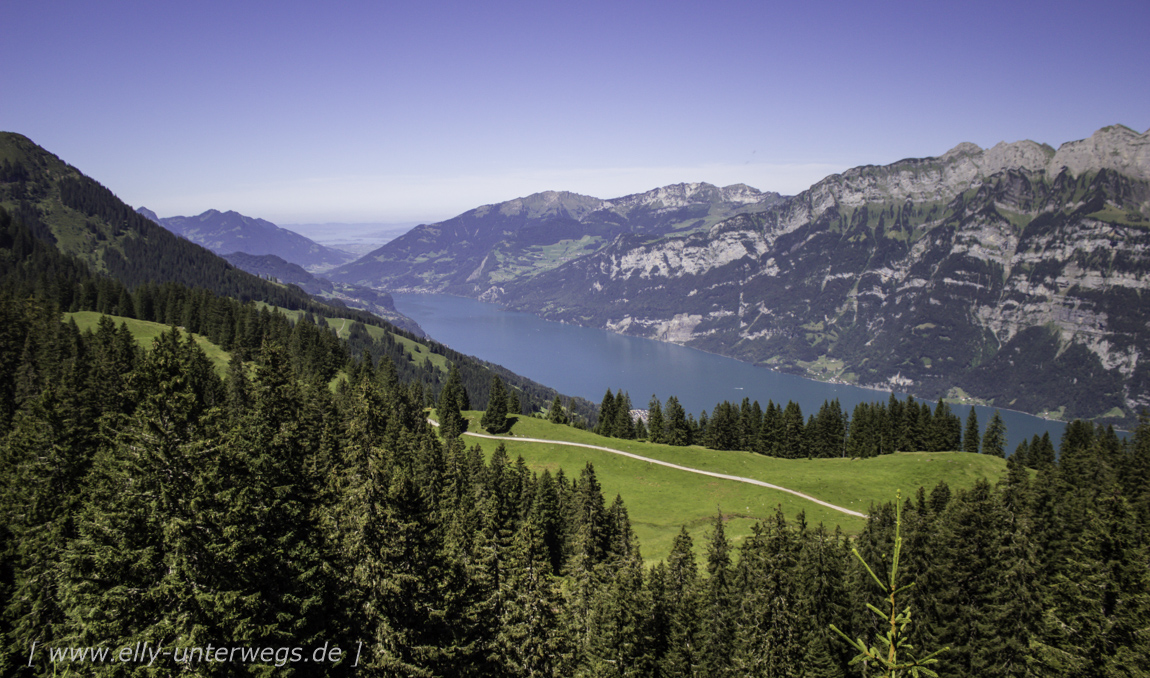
column 298, row 514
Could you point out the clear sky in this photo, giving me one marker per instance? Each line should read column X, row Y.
column 405, row 111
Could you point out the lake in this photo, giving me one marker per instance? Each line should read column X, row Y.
column 585, row 362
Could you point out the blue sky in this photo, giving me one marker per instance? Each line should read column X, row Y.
column 395, row 111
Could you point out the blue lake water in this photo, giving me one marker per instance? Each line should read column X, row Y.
column 585, row 362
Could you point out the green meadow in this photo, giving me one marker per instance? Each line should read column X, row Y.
column 660, row 500
column 146, row 332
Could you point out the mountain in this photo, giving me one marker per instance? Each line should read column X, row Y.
column 82, row 218
column 67, row 242
column 373, row 301
column 477, row 250
column 1018, row 276
column 227, row 232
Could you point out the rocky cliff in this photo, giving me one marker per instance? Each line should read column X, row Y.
column 473, row 253
column 1014, row 275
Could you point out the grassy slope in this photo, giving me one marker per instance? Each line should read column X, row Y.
column 343, row 325
column 146, row 332
column 660, row 500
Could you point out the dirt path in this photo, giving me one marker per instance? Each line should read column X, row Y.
column 724, row 476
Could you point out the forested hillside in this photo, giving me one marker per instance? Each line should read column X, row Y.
column 146, row 502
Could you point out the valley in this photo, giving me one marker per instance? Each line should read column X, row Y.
column 1011, row 277
column 195, row 450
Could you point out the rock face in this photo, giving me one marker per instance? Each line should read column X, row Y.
column 1017, row 275
column 478, row 251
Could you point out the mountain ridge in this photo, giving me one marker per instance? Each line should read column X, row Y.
column 469, row 253
column 944, row 276
column 225, row 232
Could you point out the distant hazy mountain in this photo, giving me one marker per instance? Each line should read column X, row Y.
column 78, row 215
column 520, row 238
column 1018, row 275
column 227, row 232
column 356, row 238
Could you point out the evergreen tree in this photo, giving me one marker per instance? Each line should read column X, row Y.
column 793, row 433
column 994, row 440
column 681, row 656
column 530, row 641
column 617, row 641
column 970, row 439
column 718, row 598
column 451, row 421
column 150, row 561
column 656, row 429
column 678, row 431
column 606, row 421
column 556, row 415
column 495, row 418
column 622, row 426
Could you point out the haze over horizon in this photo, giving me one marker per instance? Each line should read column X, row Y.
column 416, row 113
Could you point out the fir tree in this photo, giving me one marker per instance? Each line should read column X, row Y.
column 556, row 415
column 495, row 418
column 678, row 432
column 607, row 408
column 451, row 421
column 970, row 438
column 655, row 427
column 994, row 440
column 718, row 598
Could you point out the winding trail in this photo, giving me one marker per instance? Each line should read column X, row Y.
column 723, row 476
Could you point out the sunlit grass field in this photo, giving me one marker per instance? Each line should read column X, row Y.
column 660, row 500
column 145, row 332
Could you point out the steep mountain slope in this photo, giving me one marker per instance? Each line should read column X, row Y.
column 227, row 232
column 62, row 206
column 1017, row 275
column 373, row 301
column 67, row 242
column 518, row 239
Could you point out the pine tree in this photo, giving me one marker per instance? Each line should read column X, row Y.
column 514, row 407
column 622, row 426
column 891, row 652
column 451, row 421
column 656, row 432
column 556, row 415
column 495, row 418
column 994, row 440
column 606, row 421
column 678, row 431
column 718, row 606
column 793, row 442
column 682, row 595
column 149, row 563
column 617, row 641
column 530, row 641
column 970, row 439
column 45, row 465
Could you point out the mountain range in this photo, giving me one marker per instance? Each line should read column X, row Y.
column 1013, row 276
column 228, row 232
column 69, row 244
column 520, row 238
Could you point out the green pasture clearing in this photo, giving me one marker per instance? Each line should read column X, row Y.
column 342, row 327
column 660, row 500
column 145, row 332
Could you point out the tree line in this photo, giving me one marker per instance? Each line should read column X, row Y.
column 146, row 499
column 872, row 429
